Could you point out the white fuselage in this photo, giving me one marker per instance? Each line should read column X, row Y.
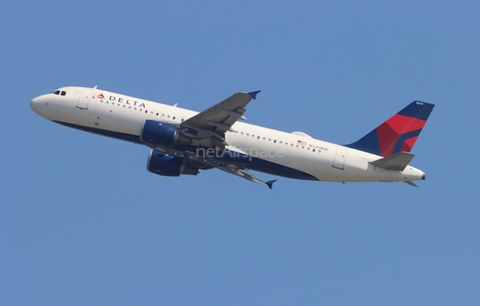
column 120, row 115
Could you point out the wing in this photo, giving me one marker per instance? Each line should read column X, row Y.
column 207, row 161
column 244, row 174
column 208, row 128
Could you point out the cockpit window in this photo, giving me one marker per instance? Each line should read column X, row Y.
column 58, row 92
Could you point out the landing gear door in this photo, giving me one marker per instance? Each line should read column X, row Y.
column 84, row 99
column 340, row 157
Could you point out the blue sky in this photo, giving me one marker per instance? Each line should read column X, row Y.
column 83, row 222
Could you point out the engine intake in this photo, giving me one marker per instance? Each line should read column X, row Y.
column 156, row 133
column 166, row 165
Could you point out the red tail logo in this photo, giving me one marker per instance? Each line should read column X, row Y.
column 398, row 133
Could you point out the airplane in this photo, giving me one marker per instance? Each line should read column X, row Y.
column 183, row 141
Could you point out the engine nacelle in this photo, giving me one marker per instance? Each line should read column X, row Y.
column 155, row 133
column 167, row 165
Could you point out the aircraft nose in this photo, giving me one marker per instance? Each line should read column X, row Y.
column 37, row 105
column 34, row 104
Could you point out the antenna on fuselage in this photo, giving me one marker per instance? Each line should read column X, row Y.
column 95, row 87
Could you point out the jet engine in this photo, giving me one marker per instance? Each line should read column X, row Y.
column 166, row 165
column 155, row 133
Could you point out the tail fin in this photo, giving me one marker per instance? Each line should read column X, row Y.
column 398, row 133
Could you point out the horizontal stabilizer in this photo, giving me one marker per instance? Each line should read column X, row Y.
column 396, row 162
column 410, row 183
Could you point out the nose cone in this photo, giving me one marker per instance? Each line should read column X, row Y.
column 34, row 104
column 38, row 104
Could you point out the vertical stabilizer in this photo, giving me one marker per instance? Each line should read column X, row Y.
column 397, row 134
